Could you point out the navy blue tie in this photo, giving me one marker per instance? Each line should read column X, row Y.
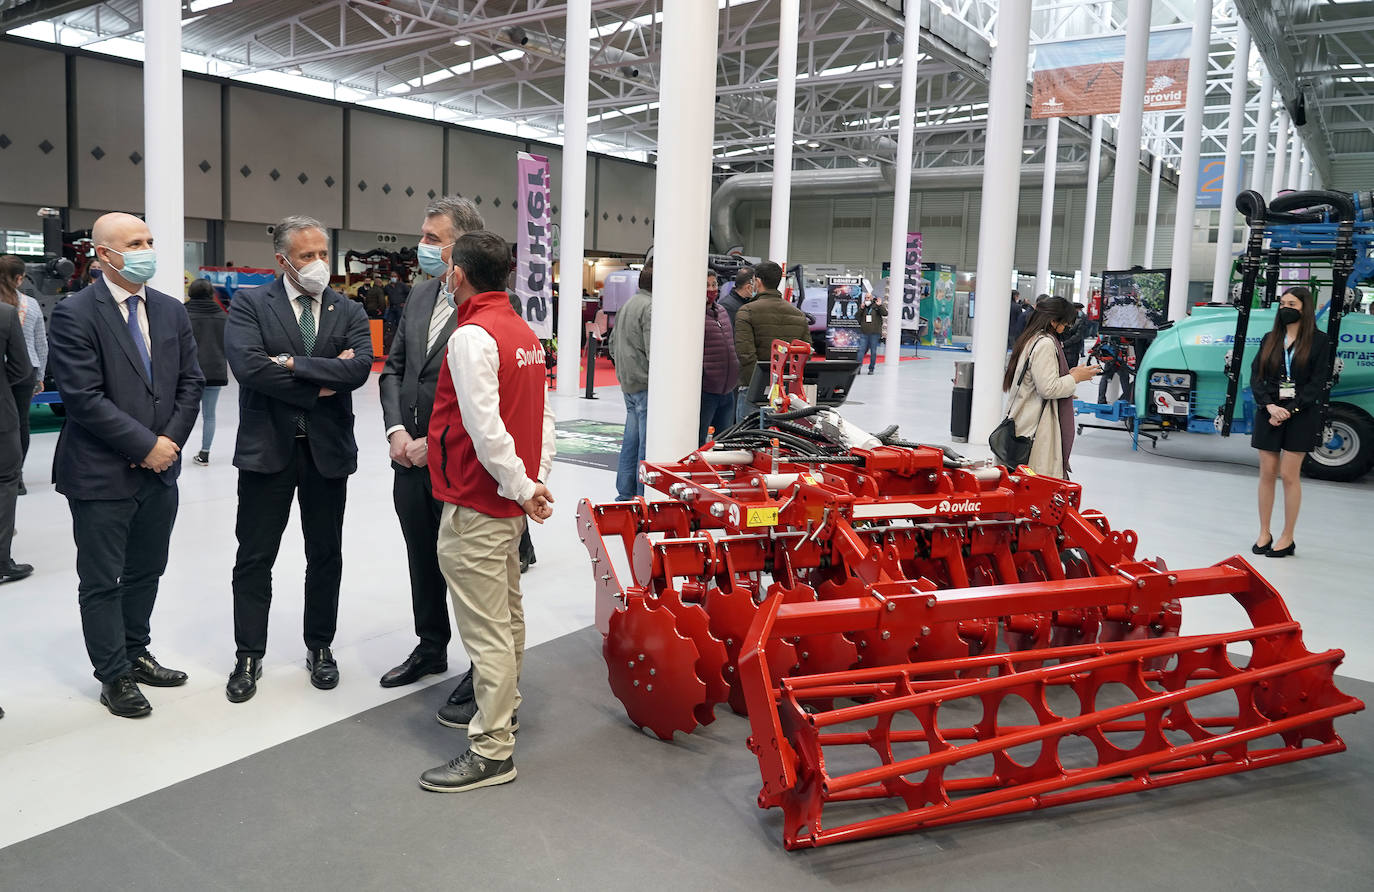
column 136, row 333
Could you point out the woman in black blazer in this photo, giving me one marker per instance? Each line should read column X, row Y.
column 207, row 324
column 1287, row 379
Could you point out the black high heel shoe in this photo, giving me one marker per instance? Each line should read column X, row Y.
column 1282, row 552
column 1262, row 549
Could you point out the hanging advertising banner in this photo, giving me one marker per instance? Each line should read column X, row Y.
column 1083, row 76
column 1211, row 173
column 534, row 244
column 937, row 303
column 911, row 294
column 842, row 336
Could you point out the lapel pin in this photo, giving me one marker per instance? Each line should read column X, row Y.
column 331, row 308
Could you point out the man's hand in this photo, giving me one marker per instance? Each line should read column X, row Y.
column 400, row 447
column 325, row 391
column 163, row 454
column 539, row 507
column 347, row 354
column 418, row 452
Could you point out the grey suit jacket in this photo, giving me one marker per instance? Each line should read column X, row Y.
column 411, row 373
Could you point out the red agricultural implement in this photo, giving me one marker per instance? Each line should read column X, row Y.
column 919, row 640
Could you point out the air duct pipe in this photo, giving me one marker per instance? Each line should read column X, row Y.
column 863, row 180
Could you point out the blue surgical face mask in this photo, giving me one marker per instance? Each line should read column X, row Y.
column 139, row 266
column 446, row 292
column 431, row 259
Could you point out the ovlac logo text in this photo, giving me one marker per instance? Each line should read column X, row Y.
column 525, row 357
column 948, row 507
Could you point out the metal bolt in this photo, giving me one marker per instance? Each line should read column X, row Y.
column 925, row 630
column 730, row 669
column 641, row 658
column 891, row 606
column 886, row 634
column 805, row 655
column 636, row 682
column 653, row 671
column 1140, row 583
column 729, row 642
column 632, row 664
column 930, row 602
column 648, row 687
column 1173, row 580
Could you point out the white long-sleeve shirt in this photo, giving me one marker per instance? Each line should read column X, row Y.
column 474, row 361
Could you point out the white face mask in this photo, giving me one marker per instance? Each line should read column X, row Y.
column 313, row 278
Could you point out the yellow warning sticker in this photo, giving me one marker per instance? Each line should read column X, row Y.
column 762, row 517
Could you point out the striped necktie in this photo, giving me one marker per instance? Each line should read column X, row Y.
column 307, row 321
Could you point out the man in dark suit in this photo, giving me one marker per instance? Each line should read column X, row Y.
column 125, row 363
column 298, row 350
column 407, row 386
column 18, row 374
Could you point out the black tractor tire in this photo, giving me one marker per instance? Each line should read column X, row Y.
column 1352, row 454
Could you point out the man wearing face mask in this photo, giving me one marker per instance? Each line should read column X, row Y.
column 125, row 363
column 298, row 350
column 493, row 437
column 407, row 385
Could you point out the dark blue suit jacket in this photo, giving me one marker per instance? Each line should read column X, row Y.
column 262, row 324
column 114, row 413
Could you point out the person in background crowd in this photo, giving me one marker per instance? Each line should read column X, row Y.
column 1074, row 335
column 871, row 316
column 207, row 324
column 407, row 385
column 397, row 293
column 1020, row 313
column 766, row 318
column 719, row 366
column 1287, row 379
column 1042, row 378
column 630, row 350
column 298, row 350
column 124, row 360
column 494, row 428
column 35, row 339
column 741, row 294
column 19, row 379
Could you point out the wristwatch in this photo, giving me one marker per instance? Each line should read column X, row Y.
column 282, row 359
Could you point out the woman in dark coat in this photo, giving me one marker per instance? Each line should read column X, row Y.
column 207, row 324
column 1287, row 379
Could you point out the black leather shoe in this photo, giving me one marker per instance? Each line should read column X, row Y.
column 123, row 698
column 1262, row 549
column 416, row 666
column 147, row 670
column 1281, row 552
column 13, row 572
column 324, row 672
column 243, row 681
column 463, row 693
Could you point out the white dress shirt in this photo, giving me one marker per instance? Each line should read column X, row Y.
column 121, row 297
column 437, row 320
column 292, row 293
column 474, row 361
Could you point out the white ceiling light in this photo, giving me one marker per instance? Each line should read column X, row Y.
column 462, row 41
column 862, row 159
column 202, row 5
column 813, row 145
column 885, row 85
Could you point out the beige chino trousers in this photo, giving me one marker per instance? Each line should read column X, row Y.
column 479, row 557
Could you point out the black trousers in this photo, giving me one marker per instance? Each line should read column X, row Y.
column 23, row 401
column 11, row 473
column 121, row 551
column 264, row 508
column 418, row 512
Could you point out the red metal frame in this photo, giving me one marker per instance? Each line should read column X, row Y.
column 903, row 588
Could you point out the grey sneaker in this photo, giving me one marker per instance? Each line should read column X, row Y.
column 468, row 772
column 458, row 715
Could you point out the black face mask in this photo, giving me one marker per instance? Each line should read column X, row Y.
column 1289, row 315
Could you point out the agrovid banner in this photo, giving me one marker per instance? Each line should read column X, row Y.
column 1083, row 76
column 534, row 244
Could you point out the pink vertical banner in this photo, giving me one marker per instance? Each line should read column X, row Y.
column 534, row 244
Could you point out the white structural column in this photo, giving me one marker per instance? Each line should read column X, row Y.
column 1280, row 155
column 1181, row 258
column 1230, row 184
column 1152, row 215
column 164, row 199
column 1042, row 253
column 789, row 23
column 682, row 206
column 997, row 231
column 1260, row 159
column 901, row 195
column 577, row 61
column 1305, row 177
column 1294, row 158
column 1125, row 181
column 1090, row 212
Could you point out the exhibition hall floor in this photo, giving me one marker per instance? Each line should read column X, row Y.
column 301, row 788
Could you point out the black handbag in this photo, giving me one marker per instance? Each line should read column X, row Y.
column 1010, row 450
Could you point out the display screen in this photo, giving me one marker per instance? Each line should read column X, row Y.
column 1134, row 301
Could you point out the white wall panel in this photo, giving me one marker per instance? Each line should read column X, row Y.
column 298, row 140
column 402, row 161
column 33, row 128
column 624, row 206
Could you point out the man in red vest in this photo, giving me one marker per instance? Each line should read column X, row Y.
column 491, row 444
